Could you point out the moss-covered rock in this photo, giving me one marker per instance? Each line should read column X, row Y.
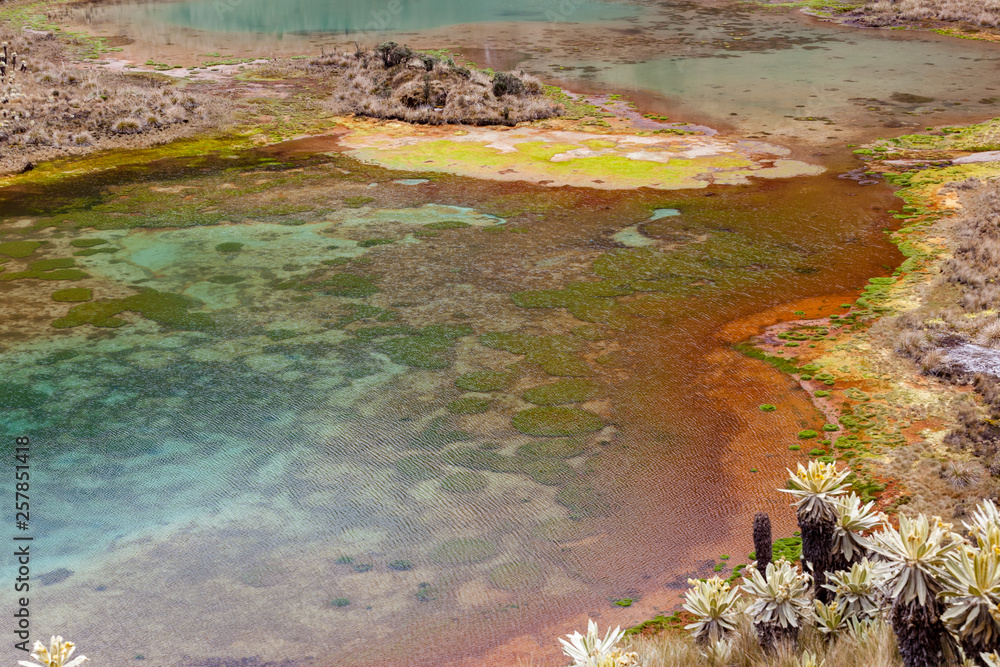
column 464, row 551
column 557, row 421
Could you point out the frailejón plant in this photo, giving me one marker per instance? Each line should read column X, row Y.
column 715, row 606
column 780, row 602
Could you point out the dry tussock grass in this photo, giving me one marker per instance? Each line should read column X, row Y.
column 877, row 648
column 960, row 307
column 394, row 82
column 50, row 109
column 892, row 12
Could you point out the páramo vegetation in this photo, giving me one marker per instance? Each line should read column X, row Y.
column 49, row 109
column 883, row 13
column 393, row 81
column 908, row 591
column 954, row 336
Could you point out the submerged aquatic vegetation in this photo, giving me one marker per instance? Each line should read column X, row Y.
column 468, row 405
column 427, row 348
column 464, row 482
column 563, row 391
column 464, row 550
column 169, row 310
column 516, row 576
column 557, row 421
column 484, row 381
column 556, row 355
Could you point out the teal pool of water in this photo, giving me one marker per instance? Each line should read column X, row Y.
column 457, row 400
column 343, row 17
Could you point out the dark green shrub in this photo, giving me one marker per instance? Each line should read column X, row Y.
column 505, row 83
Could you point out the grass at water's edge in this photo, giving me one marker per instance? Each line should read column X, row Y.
column 962, row 19
column 864, row 381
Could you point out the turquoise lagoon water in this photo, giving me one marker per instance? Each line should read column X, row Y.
column 755, row 70
column 279, row 460
column 305, row 473
column 343, row 17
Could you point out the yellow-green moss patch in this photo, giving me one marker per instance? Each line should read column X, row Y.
column 563, row 448
column 468, row 405
column 483, row 381
column 73, row 294
column 555, row 421
column 557, row 355
column 571, row 390
column 18, row 249
column 165, row 308
column 87, row 243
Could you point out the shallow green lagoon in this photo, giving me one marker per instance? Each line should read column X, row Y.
column 342, row 17
column 754, row 69
column 343, row 411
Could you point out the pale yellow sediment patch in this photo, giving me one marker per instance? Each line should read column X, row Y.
column 561, row 157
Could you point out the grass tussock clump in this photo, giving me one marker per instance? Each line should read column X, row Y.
column 875, row 646
column 912, row 591
column 50, row 109
column 954, row 336
column 392, row 81
column 879, row 13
